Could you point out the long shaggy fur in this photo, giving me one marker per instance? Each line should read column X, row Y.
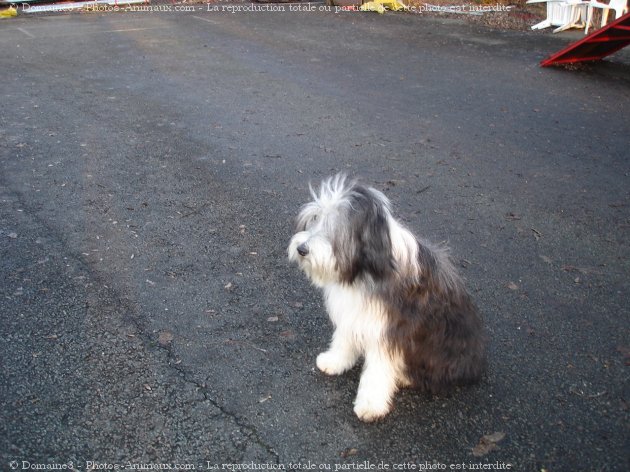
column 394, row 299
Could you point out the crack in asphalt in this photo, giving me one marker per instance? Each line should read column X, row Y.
column 109, row 300
column 187, row 376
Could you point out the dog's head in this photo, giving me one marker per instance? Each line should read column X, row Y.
column 343, row 235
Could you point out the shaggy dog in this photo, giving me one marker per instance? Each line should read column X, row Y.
column 394, row 299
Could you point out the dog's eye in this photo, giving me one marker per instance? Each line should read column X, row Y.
column 311, row 221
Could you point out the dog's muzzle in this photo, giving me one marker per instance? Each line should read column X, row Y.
column 302, row 250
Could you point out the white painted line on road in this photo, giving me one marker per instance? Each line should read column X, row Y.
column 207, row 20
column 44, row 33
column 97, row 31
column 25, row 32
column 128, row 29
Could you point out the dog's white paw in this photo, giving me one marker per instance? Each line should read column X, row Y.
column 331, row 363
column 370, row 409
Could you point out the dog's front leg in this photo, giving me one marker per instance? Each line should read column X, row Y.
column 377, row 386
column 341, row 356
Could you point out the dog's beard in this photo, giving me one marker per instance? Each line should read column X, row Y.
column 319, row 264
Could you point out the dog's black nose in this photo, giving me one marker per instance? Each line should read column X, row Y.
column 302, row 249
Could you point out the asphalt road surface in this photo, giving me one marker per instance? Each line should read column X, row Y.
column 151, row 168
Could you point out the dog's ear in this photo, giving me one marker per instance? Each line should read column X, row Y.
column 368, row 248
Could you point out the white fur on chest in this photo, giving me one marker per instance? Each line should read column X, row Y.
column 361, row 331
column 360, row 319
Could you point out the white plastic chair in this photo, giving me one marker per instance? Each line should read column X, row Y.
column 620, row 7
column 558, row 13
column 564, row 14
